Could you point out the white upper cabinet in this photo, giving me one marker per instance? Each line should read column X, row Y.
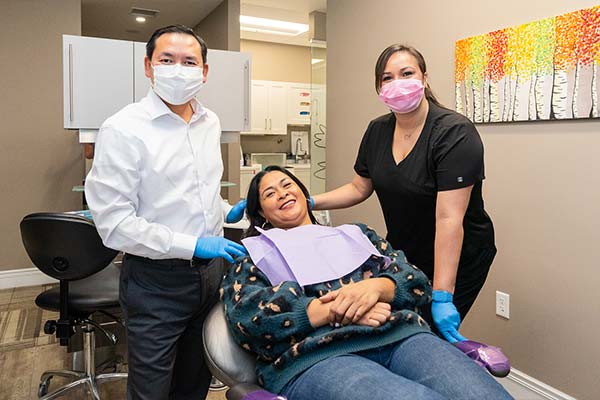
column 276, row 104
column 268, row 108
column 98, row 79
column 101, row 76
column 227, row 89
column 278, row 109
column 259, row 107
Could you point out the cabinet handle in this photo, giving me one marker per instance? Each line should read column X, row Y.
column 70, row 82
column 247, row 89
column 270, row 124
column 265, row 124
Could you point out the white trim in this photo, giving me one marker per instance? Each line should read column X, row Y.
column 23, row 277
column 532, row 384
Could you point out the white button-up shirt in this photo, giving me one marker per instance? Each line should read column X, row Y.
column 154, row 186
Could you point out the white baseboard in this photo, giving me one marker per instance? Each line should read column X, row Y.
column 23, row 277
column 538, row 387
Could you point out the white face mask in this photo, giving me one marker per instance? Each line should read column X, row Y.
column 176, row 84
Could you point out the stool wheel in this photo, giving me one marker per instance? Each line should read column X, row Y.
column 50, row 327
column 43, row 388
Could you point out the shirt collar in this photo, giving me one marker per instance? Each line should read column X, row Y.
column 157, row 107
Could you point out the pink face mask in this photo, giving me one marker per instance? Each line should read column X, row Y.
column 402, row 95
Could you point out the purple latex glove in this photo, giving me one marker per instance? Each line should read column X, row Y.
column 263, row 395
column 489, row 357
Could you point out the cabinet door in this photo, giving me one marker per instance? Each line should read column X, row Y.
column 259, row 107
column 227, row 89
column 277, row 124
column 97, row 79
column 141, row 83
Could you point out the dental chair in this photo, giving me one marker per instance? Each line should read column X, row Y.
column 67, row 247
column 228, row 362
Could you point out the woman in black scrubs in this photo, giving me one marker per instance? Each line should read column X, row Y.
column 425, row 163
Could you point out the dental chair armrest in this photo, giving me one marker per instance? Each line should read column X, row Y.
column 250, row 391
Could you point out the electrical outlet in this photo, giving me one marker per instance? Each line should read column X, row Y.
column 503, row 304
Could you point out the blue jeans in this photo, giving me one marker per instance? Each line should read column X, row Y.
column 422, row 366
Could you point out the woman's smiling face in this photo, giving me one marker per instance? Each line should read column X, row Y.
column 282, row 202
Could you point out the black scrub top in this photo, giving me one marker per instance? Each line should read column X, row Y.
column 447, row 155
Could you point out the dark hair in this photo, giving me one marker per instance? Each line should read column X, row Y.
column 253, row 200
column 174, row 29
column 395, row 48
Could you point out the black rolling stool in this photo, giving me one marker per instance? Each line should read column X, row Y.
column 67, row 247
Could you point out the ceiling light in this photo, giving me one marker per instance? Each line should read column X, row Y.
column 142, row 14
column 272, row 26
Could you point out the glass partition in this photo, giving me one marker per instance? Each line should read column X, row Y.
column 318, row 125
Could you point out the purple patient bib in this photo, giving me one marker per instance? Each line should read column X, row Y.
column 309, row 254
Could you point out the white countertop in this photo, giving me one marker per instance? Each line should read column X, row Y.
column 250, row 167
column 297, row 165
column 287, row 164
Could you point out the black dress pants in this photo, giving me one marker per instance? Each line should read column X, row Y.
column 165, row 304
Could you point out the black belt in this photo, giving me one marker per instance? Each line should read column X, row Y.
column 170, row 262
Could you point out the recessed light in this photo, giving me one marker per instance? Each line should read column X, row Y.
column 140, row 19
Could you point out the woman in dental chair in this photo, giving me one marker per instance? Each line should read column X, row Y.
column 333, row 313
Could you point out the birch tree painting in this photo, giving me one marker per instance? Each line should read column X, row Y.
column 543, row 70
column 496, row 56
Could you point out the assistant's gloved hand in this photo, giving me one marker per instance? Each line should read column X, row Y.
column 237, row 212
column 446, row 316
column 311, row 203
column 212, row 247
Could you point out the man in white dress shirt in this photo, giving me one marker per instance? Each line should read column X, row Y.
column 153, row 192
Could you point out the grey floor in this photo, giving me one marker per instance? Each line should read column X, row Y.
column 520, row 392
column 26, row 351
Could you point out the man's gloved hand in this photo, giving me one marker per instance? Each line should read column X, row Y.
column 212, row 247
column 236, row 213
column 311, row 203
column 446, row 316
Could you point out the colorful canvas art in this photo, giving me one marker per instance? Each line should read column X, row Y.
column 543, row 70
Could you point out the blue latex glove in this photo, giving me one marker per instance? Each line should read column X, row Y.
column 446, row 316
column 311, row 203
column 236, row 213
column 212, row 247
